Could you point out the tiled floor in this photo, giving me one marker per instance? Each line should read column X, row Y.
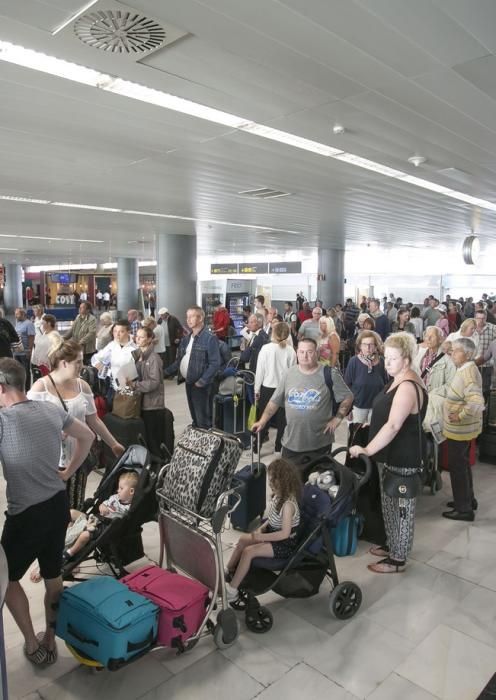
column 428, row 633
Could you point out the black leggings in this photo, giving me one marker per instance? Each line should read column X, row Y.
column 278, row 420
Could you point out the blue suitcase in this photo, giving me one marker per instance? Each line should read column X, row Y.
column 251, row 484
column 103, row 620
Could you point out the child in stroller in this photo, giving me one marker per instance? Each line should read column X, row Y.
column 117, row 541
column 301, row 574
column 81, row 527
column 277, row 537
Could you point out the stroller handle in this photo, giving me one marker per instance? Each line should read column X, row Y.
column 366, row 460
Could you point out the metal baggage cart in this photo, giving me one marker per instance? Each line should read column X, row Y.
column 192, row 544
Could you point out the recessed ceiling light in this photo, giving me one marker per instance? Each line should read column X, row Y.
column 338, row 129
column 417, row 160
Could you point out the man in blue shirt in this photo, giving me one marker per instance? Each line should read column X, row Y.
column 198, row 361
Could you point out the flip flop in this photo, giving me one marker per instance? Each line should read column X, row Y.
column 51, row 654
column 378, row 551
column 387, row 566
column 38, row 657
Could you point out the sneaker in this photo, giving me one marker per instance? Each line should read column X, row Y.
column 231, row 593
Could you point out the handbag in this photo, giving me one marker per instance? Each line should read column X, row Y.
column 127, row 405
column 406, row 486
column 90, row 462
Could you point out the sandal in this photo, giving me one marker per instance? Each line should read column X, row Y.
column 378, row 551
column 38, row 657
column 35, row 575
column 387, row 566
column 52, row 654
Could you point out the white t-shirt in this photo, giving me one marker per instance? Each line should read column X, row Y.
column 106, row 296
column 183, row 367
column 83, row 296
column 158, row 332
column 272, row 363
column 115, row 355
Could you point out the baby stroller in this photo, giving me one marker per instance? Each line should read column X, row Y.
column 118, row 541
column 302, row 574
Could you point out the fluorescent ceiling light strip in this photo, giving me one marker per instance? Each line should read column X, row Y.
column 50, row 238
column 29, row 200
column 9, row 248
column 51, row 65
column 74, row 17
column 163, row 99
column 36, row 60
column 85, row 206
column 268, row 132
column 62, row 266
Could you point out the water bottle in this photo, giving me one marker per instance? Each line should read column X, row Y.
column 102, row 374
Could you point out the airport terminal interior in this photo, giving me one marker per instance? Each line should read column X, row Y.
column 161, row 154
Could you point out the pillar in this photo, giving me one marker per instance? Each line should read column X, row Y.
column 330, row 281
column 176, row 272
column 127, row 285
column 12, row 293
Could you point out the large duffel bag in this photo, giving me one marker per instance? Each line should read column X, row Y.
column 182, row 602
column 103, row 620
column 201, row 468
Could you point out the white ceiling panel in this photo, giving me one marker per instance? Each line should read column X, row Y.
column 401, row 77
column 432, row 29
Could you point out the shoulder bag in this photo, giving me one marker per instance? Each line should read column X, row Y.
column 90, row 461
column 399, row 486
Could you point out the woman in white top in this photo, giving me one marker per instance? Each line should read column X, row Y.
column 64, row 387
column 118, row 353
column 104, row 333
column 273, row 361
column 466, row 330
column 43, row 343
column 37, row 318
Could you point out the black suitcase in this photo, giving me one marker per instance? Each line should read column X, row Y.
column 230, row 415
column 169, row 437
column 127, row 431
column 251, row 484
column 368, row 503
column 487, row 446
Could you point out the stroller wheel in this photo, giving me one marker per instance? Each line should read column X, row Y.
column 345, row 600
column 259, row 620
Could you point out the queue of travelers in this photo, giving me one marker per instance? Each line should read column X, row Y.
column 392, row 367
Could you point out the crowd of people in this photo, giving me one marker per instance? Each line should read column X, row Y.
column 392, row 367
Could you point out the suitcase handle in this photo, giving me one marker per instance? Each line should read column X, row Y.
column 256, row 471
column 80, row 636
column 136, row 646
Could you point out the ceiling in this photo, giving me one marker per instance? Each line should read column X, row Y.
column 402, row 77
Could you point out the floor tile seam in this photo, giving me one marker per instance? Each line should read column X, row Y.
column 250, row 674
column 426, row 690
column 491, row 646
column 266, row 687
column 163, row 682
column 450, row 573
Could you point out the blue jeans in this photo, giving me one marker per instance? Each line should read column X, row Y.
column 200, row 406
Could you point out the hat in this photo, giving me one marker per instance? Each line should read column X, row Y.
column 442, row 308
column 163, row 311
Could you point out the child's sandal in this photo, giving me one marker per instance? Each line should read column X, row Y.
column 52, row 654
column 387, row 566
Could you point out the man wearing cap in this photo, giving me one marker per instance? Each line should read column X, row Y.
column 173, row 332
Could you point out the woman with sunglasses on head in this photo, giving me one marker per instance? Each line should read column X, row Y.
column 64, row 387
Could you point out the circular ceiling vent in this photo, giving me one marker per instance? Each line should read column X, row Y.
column 118, row 31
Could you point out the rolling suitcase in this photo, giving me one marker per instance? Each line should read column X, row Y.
column 182, row 602
column 201, row 468
column 487, row 446
column 127, row 431
column 103, row 620
column 168, row 436
column 251, row 484
column 229, row 415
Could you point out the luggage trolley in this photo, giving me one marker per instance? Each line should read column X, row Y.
column 192, row 543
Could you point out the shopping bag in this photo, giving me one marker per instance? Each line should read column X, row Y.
column 127, row 405
column 252, row 416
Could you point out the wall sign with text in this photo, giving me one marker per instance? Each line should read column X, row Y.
column 284, row 268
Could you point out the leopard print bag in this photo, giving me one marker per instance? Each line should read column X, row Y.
column 201, row 468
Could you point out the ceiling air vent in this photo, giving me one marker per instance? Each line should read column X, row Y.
column 264, row 193
column 120, row 31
